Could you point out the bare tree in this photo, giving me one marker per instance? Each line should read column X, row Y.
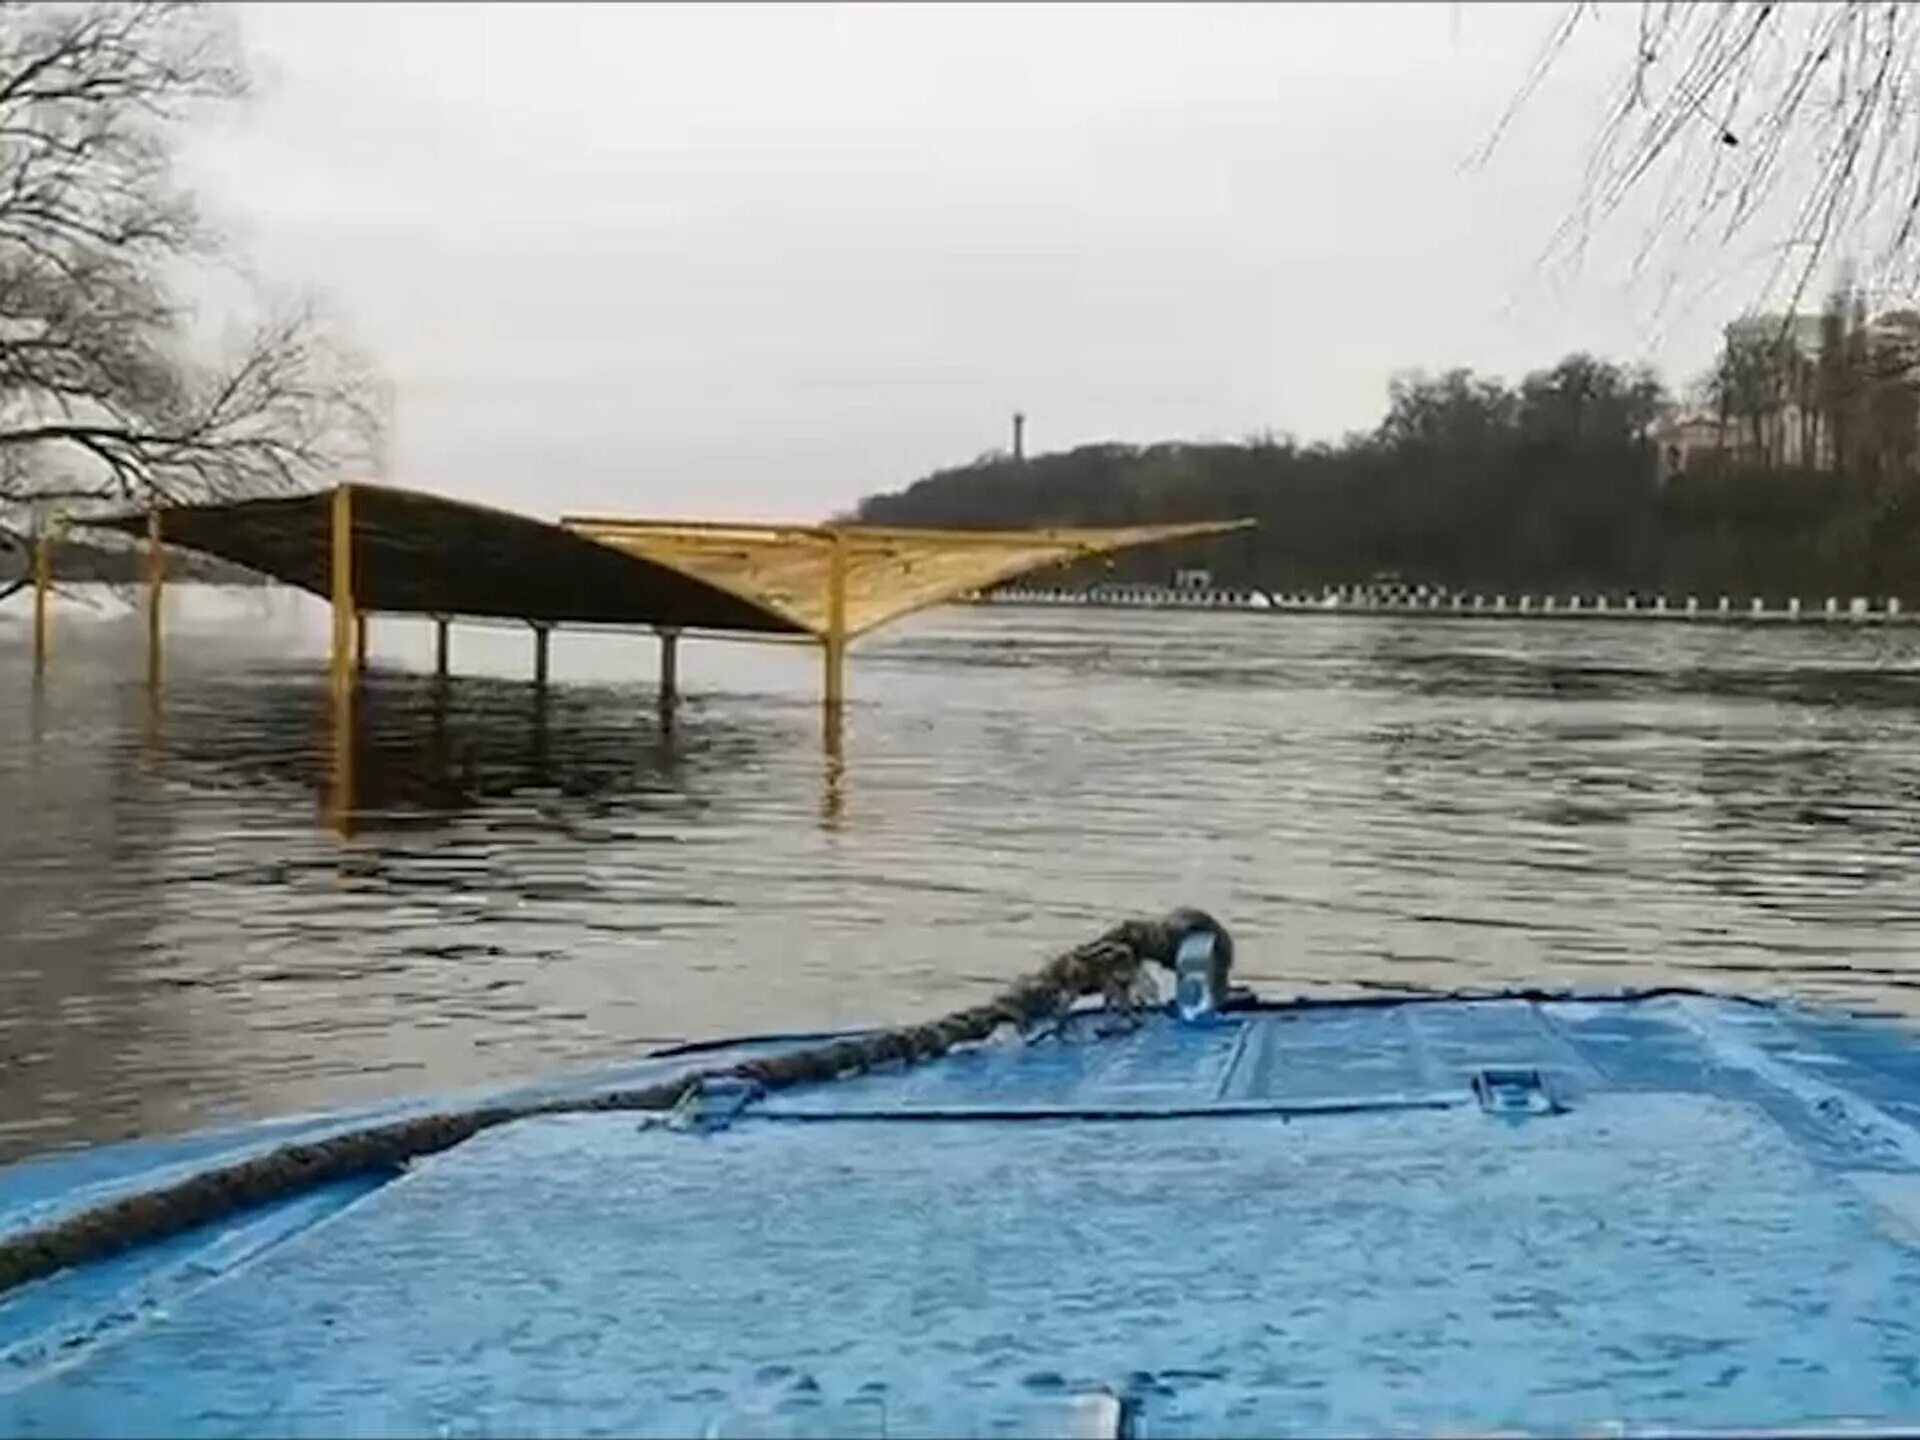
column 1799, row 121
column 104, row 395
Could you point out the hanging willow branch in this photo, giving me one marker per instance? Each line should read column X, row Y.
column 1797, row 124
column 103, row 391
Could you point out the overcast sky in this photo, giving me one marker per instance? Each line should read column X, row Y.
column 753, row 261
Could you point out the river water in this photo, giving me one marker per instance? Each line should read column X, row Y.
column 530, row 884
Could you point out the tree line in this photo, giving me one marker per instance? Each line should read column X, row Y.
column 1810, row 484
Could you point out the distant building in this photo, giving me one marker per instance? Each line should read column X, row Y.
column 1806, row 333
column 1769, row 370
column 1785, row 434
column 1682, row 439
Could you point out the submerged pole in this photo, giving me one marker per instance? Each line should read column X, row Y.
column 156, row 594
column 834, row 642
column 833, row 788
column 42, row 582
column 341, row 668
column 440, row 628
column 669, row 671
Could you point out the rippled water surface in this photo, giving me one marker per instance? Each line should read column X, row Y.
column 531, row 883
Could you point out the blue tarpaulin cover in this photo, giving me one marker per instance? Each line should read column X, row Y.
column 1652, row 1214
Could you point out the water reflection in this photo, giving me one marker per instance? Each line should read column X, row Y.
column 152, row 726
column 343, row 797
column 402, row 750
column 78, row 870
column 833, row 798
column 227, row 897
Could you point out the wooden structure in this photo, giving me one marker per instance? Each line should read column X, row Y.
column 379, row 549
column 839, row 582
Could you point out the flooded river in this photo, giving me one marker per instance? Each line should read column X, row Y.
column 534, row 883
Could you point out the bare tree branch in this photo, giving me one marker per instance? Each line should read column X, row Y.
column 1800, row 121
column 103, row 395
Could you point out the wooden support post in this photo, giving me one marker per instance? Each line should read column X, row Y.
column 440, row 627
column 540, row 636
column 669, row 671
column 42, row 582
column 156, row 595
column 359, row 642
column 834, row 642
column 341, row 668
column 347, row 630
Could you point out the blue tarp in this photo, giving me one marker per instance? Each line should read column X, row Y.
column 1297, row 1220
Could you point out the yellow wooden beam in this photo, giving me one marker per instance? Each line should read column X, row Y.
column 341, row 668
column 890, row 571
column 1094, row 536
column 834, row 641
column 1095, row 539
column 707, row 527
column 349, row 647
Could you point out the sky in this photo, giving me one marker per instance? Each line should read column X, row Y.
column 755, row 262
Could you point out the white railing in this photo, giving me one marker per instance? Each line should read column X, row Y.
column 1791, row 609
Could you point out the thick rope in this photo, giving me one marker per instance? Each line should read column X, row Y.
column 1113, row 966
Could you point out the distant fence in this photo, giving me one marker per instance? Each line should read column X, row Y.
column 1834, row 609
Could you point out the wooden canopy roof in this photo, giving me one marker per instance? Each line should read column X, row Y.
column 427, row 554
column 891, row 571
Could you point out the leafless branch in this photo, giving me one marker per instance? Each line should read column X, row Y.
column 1797, row 121
column 102, row 395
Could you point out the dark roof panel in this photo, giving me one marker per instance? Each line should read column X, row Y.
column 425, row 554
